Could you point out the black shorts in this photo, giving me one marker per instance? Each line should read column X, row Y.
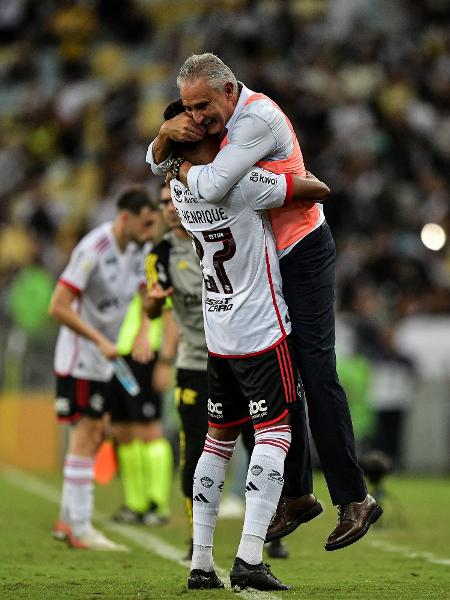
column 263, row 388
column 144, row 407
column 191, row 391
column 191, row 397
column 76, row 398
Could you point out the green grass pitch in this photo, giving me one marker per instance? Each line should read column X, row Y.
column 406, row 557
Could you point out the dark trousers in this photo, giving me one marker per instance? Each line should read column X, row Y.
column 308, row 273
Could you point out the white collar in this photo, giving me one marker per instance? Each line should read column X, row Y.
column 243, row 97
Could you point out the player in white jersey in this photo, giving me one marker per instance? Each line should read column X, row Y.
column 251, row 375
column 90, row 301
column 254, row 130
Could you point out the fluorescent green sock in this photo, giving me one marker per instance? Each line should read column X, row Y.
column 158, row 468
column 132, row 475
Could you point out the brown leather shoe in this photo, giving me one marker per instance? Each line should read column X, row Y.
column 354, row 521
column 290, row 513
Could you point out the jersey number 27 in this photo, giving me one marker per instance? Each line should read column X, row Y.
column 228, row 250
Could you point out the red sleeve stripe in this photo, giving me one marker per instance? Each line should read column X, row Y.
column 71, row 286
column 289, row 189
column 101, row 245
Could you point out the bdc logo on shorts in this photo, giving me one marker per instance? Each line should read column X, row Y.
column 257, row 408
column 215, row 409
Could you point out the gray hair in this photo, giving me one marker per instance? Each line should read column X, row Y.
column 210, row 67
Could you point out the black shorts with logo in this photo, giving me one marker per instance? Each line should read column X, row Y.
column 76, row 398
column 144, row 407
column 263, row 387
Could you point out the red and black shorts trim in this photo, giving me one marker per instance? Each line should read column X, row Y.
column 76, row 398
column 262, row 387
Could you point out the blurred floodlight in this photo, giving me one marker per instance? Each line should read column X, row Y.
column 433, row 236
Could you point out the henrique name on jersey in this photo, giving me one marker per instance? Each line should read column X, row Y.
column 243, row 307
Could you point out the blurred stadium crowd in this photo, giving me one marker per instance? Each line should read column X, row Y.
column 83, row 84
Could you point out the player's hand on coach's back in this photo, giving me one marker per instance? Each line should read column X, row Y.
column 182, row 129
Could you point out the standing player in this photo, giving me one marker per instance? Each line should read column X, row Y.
column 173, row 271
column 254, row 130
column 173, row 268
column 144, row 453
column 250, row 372
column 90, row 301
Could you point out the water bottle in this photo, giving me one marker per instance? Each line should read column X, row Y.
column 125, row 375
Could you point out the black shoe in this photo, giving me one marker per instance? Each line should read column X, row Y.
column 203, row 580
column 290, row 513
column 128, row 516
column 354, row 521
column 257, row 577
column 277, row 549
column 151, row 518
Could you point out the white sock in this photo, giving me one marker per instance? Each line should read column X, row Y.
column 263, row 489
column 208, row 485
column 64, row 511
column 78, row 489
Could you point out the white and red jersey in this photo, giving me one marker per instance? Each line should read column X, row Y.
column 243, row 306
column 105, row 281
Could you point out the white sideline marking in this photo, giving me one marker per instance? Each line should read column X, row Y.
column 408, row 553
column 149, row 541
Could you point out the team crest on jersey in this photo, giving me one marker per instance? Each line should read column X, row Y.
column 87, row 265
column 178, row 193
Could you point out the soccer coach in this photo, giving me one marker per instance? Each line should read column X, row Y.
column 254, row 130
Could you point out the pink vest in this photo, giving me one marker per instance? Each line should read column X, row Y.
column 293, row 222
